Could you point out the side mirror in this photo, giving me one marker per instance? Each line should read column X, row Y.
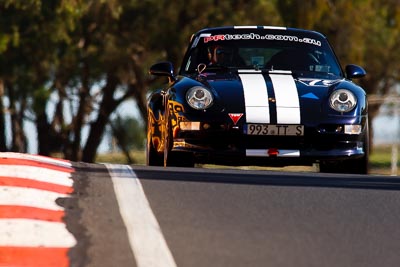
column 163, row 69
column 354, row 71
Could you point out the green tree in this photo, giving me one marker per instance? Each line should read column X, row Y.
column 29, row 35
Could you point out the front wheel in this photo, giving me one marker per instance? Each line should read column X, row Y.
column 175, row 158
column 152, row 157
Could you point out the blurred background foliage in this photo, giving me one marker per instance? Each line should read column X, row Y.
column 67, row 65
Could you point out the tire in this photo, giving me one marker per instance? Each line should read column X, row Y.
column 175, row 158
column 152, row 157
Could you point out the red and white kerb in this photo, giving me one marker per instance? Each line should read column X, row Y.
column 32, row 230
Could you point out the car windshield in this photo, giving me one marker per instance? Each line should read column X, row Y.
column 307, row 57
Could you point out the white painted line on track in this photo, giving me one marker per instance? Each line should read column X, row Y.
column 146, row 239
column 37, row 174
column 34, row 233
column 30, row 197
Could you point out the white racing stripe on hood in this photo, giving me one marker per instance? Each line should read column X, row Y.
column 255, row 98
column 287, row 99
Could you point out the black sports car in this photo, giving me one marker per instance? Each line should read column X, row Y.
column 268, row 96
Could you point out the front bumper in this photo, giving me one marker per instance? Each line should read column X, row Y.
column 228, row 145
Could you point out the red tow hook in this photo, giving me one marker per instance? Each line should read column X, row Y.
column 273, row 152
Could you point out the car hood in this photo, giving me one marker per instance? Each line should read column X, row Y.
column 273, row 97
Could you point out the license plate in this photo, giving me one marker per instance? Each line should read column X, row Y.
column 275, row 130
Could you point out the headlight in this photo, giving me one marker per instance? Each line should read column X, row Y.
column 199, row 97
column 342, row 100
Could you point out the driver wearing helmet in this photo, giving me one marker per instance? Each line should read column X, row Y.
column 218, row 55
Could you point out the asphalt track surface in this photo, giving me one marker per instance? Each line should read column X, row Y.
column 209, row 217
column 61, row 214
